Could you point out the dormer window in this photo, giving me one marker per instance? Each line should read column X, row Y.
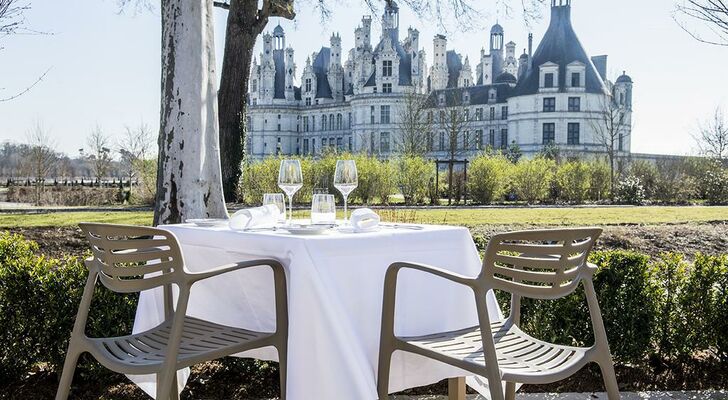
column 576, row 74
column 386, row 88
column 387, row 68
column 441, row 99
column 575, row 79
column 308, row 84
column 548, row 81
column 466, row 97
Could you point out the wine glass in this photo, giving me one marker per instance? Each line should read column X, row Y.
column 345, row 180
column 290, row 180
column 323, row 209
column 279, row 201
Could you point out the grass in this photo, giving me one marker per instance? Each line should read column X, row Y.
column 600, row 216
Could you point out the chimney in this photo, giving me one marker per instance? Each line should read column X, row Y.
column 600, row 62
column 530, row 45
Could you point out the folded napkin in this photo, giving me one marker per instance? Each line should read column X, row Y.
column 364, row 219
column 257, row 217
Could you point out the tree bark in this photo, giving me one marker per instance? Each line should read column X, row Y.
column 189, row 184
column 242, row 30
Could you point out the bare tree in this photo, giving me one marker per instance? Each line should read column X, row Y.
column 612, row 126
column 134, row 148
column 711, row 13
column 12, row 19
column 40, row 158
column 415, row 122
column 99, row 153
column 712, row 136
column 454, row 122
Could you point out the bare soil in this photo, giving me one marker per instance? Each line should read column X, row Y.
column 212, row 380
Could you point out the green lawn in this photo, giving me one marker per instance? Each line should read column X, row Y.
column 600, row 216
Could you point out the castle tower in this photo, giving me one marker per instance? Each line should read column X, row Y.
column 336, row 71
column 363, row 34
column 390, row 20
column 290, row 67
column 466, row 74
column 485, row 68
column 267, row 71
column 623, row 91
column 496, row 49
column 439, row 73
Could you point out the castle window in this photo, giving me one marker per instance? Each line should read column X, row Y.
column 466, row 97
column 479, row 138
column 491, row 138
column 305, row 146
column 387, row 68
column 466, row 140
column 430, row 141
column 575, row 79
column 549, row 133
column 313, row 146
column 621, row 142
column 384, row 142
column 323, row 122
column 278, row 146
column 621, row 99
column 549, row 104
column 371, row 114
column 548, row 80
column 572, row 134
column 442, row 141
column 441, row 99
column 340, row 143
column 442, row 116
column 331, row 122
column 351, row 144
column 386, row 88
column 479, row 114
column 574, row 104
column 466, row 115
column 504, row 139
column 305, row 124
column 349, row 121
column 504, row 112
column 338, row 121
column 331, row 142
column 308, row 84
column 308, row 101
column 384, row 114
column 279, row 127
column 492, row 113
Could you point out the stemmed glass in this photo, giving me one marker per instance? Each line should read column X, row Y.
column 290, row 180
column 345, row 180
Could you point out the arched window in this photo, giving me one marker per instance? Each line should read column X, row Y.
column 323, row 122
column 338, row 121
column 331, row 122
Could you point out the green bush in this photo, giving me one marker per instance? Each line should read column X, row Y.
column 599, row 180
column 573, row 181
column 670, row 276
column 257, row 179
column 674, row 183
column 630, row 191
column 413, row 175
column 626, row 298
column 39, row 299
column 532, row 179
column 714, row 183
column 488, row 178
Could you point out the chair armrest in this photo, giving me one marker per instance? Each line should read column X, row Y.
column 223, row 269
column 442, row 273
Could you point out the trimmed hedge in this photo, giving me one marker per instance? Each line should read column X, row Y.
column 666, row 307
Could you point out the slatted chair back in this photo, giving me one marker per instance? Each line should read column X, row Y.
column 132, row 259
column 540, row 264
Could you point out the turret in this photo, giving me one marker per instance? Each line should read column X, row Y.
column 623, row 91
column 439, row 73
column 363, row 34
column 390, row 20
column 486, row 67
column 336, row 71
column 496, row 48
column 466, row 74
column 290, row 68
column 267, row 71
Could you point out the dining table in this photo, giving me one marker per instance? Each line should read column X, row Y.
column 335, row 283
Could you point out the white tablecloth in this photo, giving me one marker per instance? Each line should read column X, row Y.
column 335, row 287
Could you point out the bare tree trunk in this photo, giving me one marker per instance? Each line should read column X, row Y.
column 188, row 171
column 240, row 36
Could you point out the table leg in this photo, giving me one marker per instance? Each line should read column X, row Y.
column 456, row 388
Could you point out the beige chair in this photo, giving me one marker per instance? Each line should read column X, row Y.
column 546, row 264
column 129, row 259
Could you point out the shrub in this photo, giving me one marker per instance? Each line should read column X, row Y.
column 39, row 299
column 630, row 191
column 488, row 178
column 648, row 176
column 413, row 175
column 257, row 179
column 386, row 181
column 714, row 183
column 532, row 179
column 670, row 276
column 572, row 180
column 370, row 176
column 674, row 184
column 599, row 180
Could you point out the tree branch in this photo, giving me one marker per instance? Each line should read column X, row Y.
column 26, row 90
column 221, row 4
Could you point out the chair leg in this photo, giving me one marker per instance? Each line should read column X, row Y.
column 610, row 379
column 165, row 380
column 495, row 385
column 456, row 388
column 283, row 370
column 510, row 391
column 385, row 360
column 69, row 368
column 174, row 388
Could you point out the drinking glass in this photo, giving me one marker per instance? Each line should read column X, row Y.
column 323, row 209
column 290, row 180
column 345, row 180
column 279, row 201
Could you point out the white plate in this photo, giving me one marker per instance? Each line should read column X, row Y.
column 351, row 229
column 207, row 222
column 307, row 229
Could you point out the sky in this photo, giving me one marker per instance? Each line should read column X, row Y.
column 104, row 66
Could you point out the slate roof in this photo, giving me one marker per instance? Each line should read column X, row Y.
column 405, row 61
column 321, row 68
column 279, row 83
column 479, row 95
column 454, row 66
column 561, row 46
column 624, row 78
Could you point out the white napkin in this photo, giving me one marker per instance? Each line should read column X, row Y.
column 257, row 217
column 364, row 219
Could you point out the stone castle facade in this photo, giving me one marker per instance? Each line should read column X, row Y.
column 555, row 95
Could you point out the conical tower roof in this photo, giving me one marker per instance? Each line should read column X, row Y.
column 561, row 46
